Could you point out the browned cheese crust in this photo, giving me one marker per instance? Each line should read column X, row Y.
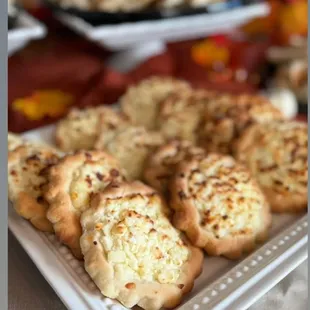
column 79, row 130
column 227, row 116
column 277, row 155
column 180, row 114
column 71, row 183
column 27, row 167
column 219, row 206
column 122, row 5
column 132, row 251
column 141, row 102
column 161, row 165
column 131, row 146
column 14, row 141
column 110, row 122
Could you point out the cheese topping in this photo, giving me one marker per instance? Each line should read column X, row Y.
column 138, row 239
column 91, row 177
column 14, row 141
column 131, row 146
column 228, row 201
column 162, row 164
column 278, row 156
column 110, row 122
column 180, row 114
column 228, row 116
column 80, row 4
column 183, row 149
column 141, row 102
column 79, row 129
column 28, row 173
column 113, row 6
column 169, row 4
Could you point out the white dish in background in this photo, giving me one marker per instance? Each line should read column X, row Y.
column 27, row 28
column 224, row 284
column 127, row 35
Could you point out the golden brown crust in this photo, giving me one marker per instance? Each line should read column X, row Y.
column 181, row 112
column 14, row 141
column 277, row 156
column 141, row 102
column 295, row 203
column 79, row 130
column 71, row 183
column 27, row 165
column 130, row 288
column 227, row 116
column 122, row 6
column 110, row 122
column 218, row 206
column 161, row 164
column 131, row 146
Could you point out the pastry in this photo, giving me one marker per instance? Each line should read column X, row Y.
column 202, row 3
column 109, row 124
column 170, row 4
column 85, row 5
column 80, row 128
column 131, row 146
column 180, row 114
column 71, row 183
column 227, row 116
column 27, row 167
column 162, row 163
column 14, row 141
column 219, row 206
column 132, row 251
column 277, row 155
column 141, row 102
column 115, row 6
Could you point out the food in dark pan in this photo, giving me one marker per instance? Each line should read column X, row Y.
column 130, row 6
column 99, row 12
column 168, row 4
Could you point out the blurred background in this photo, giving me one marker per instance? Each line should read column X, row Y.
column 81, row 52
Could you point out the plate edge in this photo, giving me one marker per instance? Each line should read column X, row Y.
column 251, row 269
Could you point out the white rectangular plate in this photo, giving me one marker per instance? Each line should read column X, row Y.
column 27, row 28
column 224, row 284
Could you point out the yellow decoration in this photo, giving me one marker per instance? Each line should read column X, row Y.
column 265, row 24
column 294, row 18
column 207, row 52
column 283, row 21
column 43, row 103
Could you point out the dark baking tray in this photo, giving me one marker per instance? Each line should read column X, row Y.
column 103, row 18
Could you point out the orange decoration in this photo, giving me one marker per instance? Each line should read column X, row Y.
column 284, row 21
column 264, row 24
column 207, row 53
column 293, row 19
column 43, row 103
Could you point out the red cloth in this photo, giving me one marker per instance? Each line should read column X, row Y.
column 109, row 86
column 112, row 84
column 248, row 56
column 59, row 62
column 67, row 62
